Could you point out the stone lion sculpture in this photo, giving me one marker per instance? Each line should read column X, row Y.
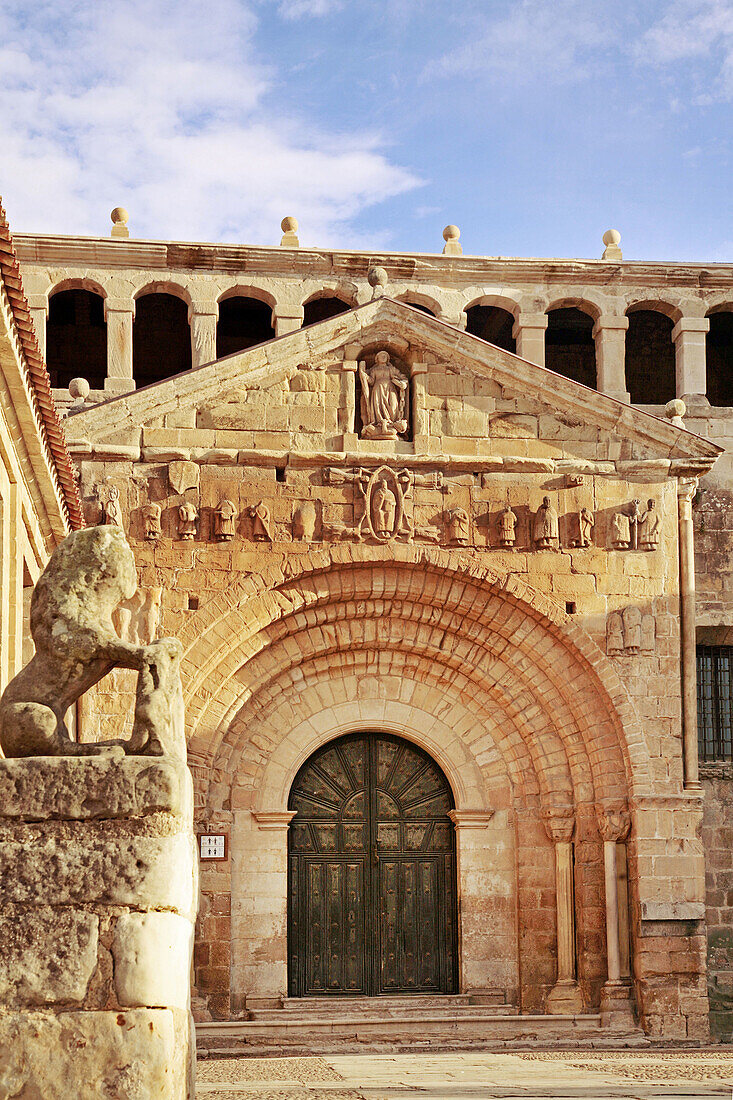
column 89, row 574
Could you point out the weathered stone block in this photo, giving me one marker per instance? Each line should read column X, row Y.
column 33, row 973
column 152, row 956
column 133, row 1055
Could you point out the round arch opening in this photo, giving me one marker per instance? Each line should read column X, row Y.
column 372, row 884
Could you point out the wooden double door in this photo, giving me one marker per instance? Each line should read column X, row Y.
column 371, row 872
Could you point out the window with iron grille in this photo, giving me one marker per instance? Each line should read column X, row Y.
column 715, row 702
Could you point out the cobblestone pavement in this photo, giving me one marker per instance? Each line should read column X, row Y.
column 576, row 1075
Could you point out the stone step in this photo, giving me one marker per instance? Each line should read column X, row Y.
column 435, row 1030
column 411, row 1005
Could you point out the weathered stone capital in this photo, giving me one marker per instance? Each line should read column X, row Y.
column 201, row 307
column 531, row 320
column 37, row 301
column 559, row 822
column 119, row 305
column 350, row 366
column 614, row 823
column 610, row 321
column 686, row 488
column 691, row 324
column 418, row 368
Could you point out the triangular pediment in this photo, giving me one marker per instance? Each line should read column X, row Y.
column 478, row 401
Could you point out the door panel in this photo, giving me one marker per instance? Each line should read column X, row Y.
column 371, row 871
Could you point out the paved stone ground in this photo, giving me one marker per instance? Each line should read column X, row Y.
column 576, row 1075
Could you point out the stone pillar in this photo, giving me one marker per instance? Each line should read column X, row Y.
column 420, row 428
column 38, row 305
column 565, row 997
column 686, row 488
column 529, row 332
column 349, row 368
column 616, row 998
column 119, row 314
column 609, row 333
column 97, row 901
column 287, row 322
column 202, row 318
column 689, row 341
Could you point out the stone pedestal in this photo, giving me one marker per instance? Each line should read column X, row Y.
column 98, row 892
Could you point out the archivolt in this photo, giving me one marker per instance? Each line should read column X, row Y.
column 541, row 691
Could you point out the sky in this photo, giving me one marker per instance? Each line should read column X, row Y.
column 533, row 125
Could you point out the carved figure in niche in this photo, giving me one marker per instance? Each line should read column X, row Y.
column 648, row 633
column 225, row 515
column 620, row 531
column 304, row 521
column 649, row 523
column 459, row 526
column 546, row 529
column 614, row 633
column 188, row 515
column 383, row 509
column 110, row 500
column 261, row 524
column 586, row 523
column 384, row 399
column 87, row 577
column 631, row 617
column 151, row 513
column 507, row 527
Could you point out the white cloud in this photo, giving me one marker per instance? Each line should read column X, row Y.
column 299, row 9
column 545, row 40
column 164, row 109
column 693, row 30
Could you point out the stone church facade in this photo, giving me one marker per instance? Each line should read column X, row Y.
column 432, row 562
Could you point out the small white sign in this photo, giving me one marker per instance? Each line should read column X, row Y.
column 212, row 845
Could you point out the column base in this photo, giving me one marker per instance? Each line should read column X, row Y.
column 618, row 395
column 617, row 1005
column 564, row 999
column 118, row 385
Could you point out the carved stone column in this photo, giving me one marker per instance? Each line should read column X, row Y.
column 616, row 998
column 203, row 317
column 418, row 372
column 38, row 305
column 529, row 332
column 349, row 368
column 686, row 488
column 609, row 333
column 689, row 341
column 565, row 998
column 119, row 314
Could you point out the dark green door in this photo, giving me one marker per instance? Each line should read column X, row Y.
column 371, row 871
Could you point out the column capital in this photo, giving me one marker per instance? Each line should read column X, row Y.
column 530, row 320
column 203, row 306
column 686, row 489
column 610, row 321
column 690, row 324
column 352, row 351
column 470, row 819
column 418, row 368
column 559, row 821
column 273, row 819
column 350, row 365
column 119, row 305
column 38, row 301
column 614, row 822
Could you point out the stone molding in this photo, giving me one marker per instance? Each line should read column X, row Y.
column 471, row 819
column 273, row 819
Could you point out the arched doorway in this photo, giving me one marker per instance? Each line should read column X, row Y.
column 371, row 872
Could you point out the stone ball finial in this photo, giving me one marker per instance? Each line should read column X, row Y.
column 289, row 227
column 377, row 278
column 674, row 410
column 451, row 235
column 120, row 218
column 79, row 389
column 612, row 240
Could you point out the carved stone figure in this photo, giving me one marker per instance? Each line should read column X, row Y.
column 614, row 634
column 136, row 619
column 459, row 526
column 384, row 399
column 304, row 521
column 586, row 523
column 188, row 515
column 225, row 516
column 507, row 527
column 631, row 617
column 620, row 531
column 261, row 523
column 648, row 633
column 634, row 521
column 383, row 510
column 151, row 513
column 109, row 497
column 546, row 529
column 383, row 493
column 649, row 524
column 89, row 574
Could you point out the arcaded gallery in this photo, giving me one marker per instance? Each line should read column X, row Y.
column 446, row 542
